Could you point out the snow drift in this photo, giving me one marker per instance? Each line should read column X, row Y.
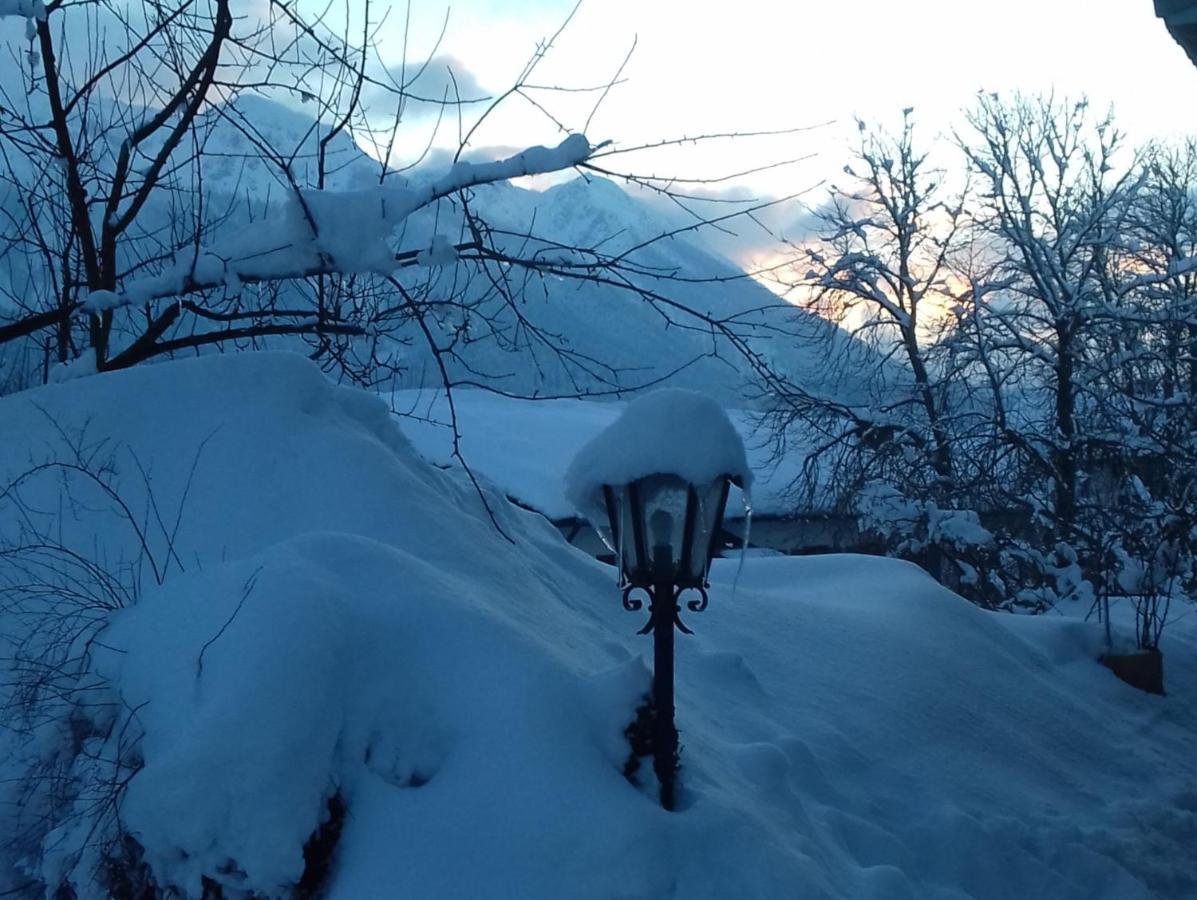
column 337, row 617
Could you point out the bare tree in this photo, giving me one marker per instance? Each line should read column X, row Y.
column 1054, row 195
column 1031, row 356
column 881, row 269
column 121, row 248
column 106, row 157
column 1144, row 377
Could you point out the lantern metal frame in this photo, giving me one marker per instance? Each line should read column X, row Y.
column 642, row 575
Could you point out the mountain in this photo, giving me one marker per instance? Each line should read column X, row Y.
column 631, row 326
column 540, row 335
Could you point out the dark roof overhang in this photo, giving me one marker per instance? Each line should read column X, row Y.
column 1181, row 18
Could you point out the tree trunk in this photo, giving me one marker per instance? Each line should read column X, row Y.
column 1064, row 452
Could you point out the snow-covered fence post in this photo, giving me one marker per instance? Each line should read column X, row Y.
column 654, row 485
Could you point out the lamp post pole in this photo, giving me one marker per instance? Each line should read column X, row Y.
column 663, row 611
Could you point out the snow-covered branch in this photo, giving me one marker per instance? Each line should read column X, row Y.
column 332, row 232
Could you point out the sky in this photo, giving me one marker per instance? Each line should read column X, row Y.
column 704, row 67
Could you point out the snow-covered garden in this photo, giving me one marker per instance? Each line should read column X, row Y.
column 313, row 612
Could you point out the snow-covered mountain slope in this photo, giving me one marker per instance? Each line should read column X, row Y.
column 616, row 336
column 337, row 617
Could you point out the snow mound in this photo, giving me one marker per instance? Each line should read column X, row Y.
column 371, row 671
column 335, row 617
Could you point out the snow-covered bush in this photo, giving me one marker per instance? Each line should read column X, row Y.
column 207, row 653
column 69, row 749
column 1150, row 558
column 75, row 553
column 991, row 568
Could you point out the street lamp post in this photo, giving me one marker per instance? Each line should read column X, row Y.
column 654, row 484
column 665, row 531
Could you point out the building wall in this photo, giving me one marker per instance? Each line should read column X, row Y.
column 794, row 536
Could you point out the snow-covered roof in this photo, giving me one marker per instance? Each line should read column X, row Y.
column 525, row 447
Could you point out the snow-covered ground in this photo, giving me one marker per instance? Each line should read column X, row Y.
column 340, row 616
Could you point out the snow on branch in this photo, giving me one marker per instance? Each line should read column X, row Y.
column 1175, row 269
column 325, row 232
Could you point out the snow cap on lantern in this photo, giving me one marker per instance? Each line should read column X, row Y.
column 655, row 481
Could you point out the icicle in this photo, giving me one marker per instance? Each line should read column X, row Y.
column 746, row 499
column 619, row 551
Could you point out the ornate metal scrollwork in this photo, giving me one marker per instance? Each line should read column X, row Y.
column 701, row 603
column 656, row 607
column 693, row 605
column 634, row 604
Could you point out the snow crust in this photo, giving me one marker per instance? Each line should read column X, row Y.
column 394, row 645
column 373, row 672
column 668, row 431
column 343, row 617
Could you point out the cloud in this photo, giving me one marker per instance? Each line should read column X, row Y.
column 426, row 87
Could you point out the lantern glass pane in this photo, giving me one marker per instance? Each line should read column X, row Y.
column 607, row 525
column 617, row 532
column 706, row 519
column 663, row 505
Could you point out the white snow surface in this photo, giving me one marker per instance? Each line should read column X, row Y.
column 342, row 616
column 669, row 431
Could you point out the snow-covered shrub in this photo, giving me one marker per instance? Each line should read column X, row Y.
column 1150, row 557
column 991, row 568
column 282, row 644
column 951, row 544
column 67, row 750
column 75, row 731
